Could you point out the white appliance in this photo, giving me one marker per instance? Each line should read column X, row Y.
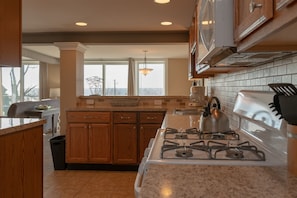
column 215, row 27
column 259, row 140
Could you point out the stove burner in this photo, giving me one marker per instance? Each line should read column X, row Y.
column 219, row 135
column 181, row 136
column 190, row 133
column 170, row 131
column 184, row 152
column 234, row 153
column 237, row 151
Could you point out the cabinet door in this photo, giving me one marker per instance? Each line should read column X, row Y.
column 33, row 162
column 250, row 15
column 99, row 143
column 146, row 132
column 11, row 165
column 125, row 144
column 10, row 33
column 77, row 143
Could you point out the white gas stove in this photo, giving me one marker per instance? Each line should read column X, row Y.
column 259, row 139
column 237, row 149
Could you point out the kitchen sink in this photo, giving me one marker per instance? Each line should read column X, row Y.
column 187, row 111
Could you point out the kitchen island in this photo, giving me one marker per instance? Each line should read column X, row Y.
column 21, row 157
column 217, row 181
column 214, row 180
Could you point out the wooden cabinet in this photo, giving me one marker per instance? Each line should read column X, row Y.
column 21, row 164
column 125, row 138
column 150, row 122
column 265, row 25
column 88, row 138
column 193, row 52
column 10, row 32
column 250, row 15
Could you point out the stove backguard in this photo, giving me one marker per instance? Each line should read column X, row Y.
column 257, row 119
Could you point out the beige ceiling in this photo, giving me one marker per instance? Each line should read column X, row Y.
column 109, row 16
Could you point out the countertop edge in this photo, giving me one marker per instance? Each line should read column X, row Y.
column 12, row 125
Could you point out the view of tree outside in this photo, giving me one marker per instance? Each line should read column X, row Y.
column 16, row 89
column 112, row 79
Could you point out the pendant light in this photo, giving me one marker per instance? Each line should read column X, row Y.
column 145, row 70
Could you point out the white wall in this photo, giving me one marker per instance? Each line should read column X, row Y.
column 178, row 83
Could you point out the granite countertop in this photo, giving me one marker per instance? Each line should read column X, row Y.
column 119, row 108
column 190, row 181
column 169, row 180
column 12, row 125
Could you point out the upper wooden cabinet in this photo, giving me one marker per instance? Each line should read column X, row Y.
column 193, row 51
column 10, row 33
column 265, row 25
column 250, row 15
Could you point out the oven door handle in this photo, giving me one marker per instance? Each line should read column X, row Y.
column 139, row 177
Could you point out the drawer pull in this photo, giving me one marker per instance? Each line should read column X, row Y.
column 254, row 5
column 151, row 118
column 125, row 117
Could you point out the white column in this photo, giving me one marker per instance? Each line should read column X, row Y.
column 71, row 77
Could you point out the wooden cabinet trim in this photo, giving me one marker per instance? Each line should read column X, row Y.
column 89, row 117
column 125, row 117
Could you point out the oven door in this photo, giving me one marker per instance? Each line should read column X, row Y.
column 141, row 169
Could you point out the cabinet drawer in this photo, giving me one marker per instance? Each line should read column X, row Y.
column 125, row 117
column 151, row 117
column 88, row 117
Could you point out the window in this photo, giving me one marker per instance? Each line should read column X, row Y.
column 108, row 79
column 153, row 84
column 19, row 84
column 111, row 79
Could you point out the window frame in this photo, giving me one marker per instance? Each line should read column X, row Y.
column 105, row 64
column 148, row 62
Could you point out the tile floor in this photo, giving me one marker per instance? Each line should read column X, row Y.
column 85, row 183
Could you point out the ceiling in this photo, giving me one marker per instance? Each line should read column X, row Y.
column 59, row 16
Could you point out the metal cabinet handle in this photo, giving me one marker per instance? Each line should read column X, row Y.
column 151, row 118
column 254, row 5
column 125, row 118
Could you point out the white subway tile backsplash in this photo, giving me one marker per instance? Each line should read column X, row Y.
column 292, row 68
column 226, row 86
column 282, row 70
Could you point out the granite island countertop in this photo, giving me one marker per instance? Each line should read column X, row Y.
column 172, row 180
column 207, row 181
column 12, row 125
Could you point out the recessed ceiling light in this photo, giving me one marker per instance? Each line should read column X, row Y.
column 162, row 1
column 166, row 23
column 81, row 24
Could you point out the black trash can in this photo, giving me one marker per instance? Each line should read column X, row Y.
column 58, row 152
